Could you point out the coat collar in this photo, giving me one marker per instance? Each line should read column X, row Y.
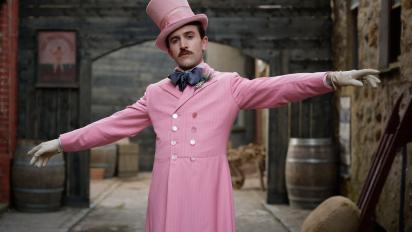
column 169, row 87
column 189, row 91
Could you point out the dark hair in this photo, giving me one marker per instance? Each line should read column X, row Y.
column 199, row 26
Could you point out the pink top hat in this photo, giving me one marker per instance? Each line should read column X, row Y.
column 170, row 15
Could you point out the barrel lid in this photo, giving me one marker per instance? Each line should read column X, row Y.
column 310, row 141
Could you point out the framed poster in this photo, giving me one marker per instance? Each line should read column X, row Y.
column 56, row 59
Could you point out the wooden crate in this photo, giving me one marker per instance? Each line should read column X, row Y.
column 97, row 173
column 104, row 157
column 128, row 160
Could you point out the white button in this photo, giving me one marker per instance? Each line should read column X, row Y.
column 174, row 128
column 174, row 157
column 192, row 158
column 173, row 142
column 192, row 141
column 174, row 116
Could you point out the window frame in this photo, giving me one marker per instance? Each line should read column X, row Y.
column 354, row 12
column 384, row 47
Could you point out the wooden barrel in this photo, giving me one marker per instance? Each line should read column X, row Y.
column 37, row 189
column 104, row 157
column 311, row 171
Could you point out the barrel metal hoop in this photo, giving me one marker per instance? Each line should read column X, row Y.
column 312, row 188
column 30, row 190
column 310, row 141
column 311, row 161
column 306, row 199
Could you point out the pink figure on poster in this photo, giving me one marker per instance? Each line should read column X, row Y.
column 57, row 54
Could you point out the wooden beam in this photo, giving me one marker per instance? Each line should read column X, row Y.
column 140, row 12
column 269, row 4
column 277, row 141
column 78, row 181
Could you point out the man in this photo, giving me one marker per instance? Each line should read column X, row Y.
column 192, row 112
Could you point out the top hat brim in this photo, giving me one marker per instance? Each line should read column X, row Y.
column 161, row 38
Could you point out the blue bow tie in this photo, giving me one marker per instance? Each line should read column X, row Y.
column 185, row 78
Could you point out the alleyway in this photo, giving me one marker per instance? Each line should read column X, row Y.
column 120, row 205
column 124, row 209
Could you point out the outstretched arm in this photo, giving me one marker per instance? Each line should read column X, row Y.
column 269, row 92
column 125, row 123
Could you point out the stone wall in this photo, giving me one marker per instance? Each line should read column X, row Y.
column 371, row 107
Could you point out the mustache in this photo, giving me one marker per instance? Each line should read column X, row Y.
column 184, row 52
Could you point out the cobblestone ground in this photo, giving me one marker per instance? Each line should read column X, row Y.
column 123, row 208
column 251, row 216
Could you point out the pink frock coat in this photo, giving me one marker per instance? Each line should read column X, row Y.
column 191, row 188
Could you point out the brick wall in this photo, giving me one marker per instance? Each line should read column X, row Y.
column 8, row 55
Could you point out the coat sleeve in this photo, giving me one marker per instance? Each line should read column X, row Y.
column 268, row 92
column 125, row 123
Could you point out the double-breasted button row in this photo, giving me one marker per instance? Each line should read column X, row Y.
column 193, row 130
column 174, row 157
column 174, row 128
column 192, row 142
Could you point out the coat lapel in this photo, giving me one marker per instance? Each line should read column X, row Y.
column 192, row 91
column 189, row 91
column 187, row 94
column 169, row 87
column 210, row 82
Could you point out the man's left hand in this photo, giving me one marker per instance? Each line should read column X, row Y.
column 354, row 78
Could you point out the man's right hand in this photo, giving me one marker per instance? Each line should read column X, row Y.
column 43, row 152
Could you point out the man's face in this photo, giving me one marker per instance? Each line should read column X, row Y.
column 186, row 47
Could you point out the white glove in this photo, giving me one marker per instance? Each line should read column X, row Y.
column 43, row 152
column 354, row 78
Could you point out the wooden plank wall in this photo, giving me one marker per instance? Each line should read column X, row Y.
column 293, row 33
